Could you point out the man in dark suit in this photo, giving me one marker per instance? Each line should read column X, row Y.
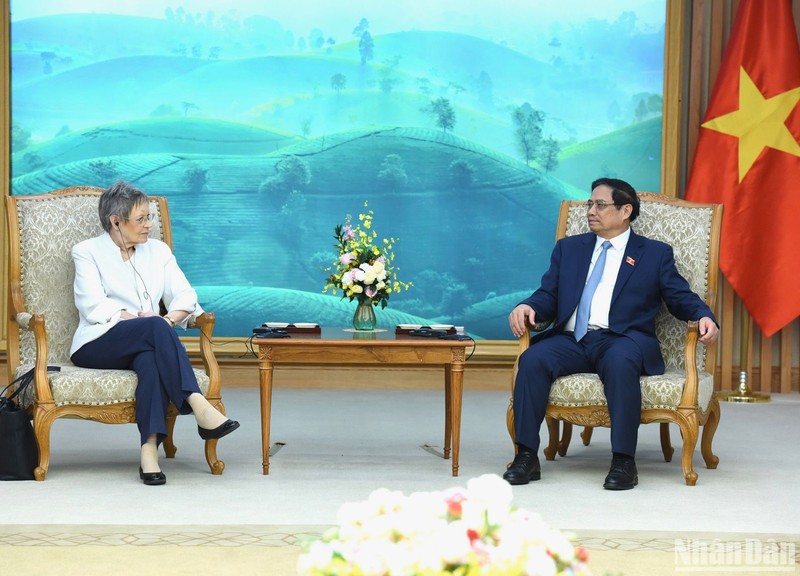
column 604, row 322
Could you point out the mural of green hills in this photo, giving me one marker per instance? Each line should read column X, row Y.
column 451, row 233
column 631, row 153
column 180, row 135
column 263, row 141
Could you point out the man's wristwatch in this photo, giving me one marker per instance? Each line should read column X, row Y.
column 170, row 320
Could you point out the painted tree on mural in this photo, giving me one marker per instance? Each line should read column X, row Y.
column 443, row 113
column 528, row 124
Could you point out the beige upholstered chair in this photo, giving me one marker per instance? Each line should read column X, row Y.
column 42, row 319
column 684, row 394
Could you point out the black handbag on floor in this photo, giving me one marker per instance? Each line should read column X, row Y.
column 19, row 454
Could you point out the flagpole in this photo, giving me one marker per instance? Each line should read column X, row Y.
column 744, row 394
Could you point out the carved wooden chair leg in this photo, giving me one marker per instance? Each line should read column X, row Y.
column 709, row 429
column 666, row 443
column 586, row 435
column 215, row 464
column 169, row 445
column 566, row 438
column 689, row 432
column 42, row 422
column 553, row 432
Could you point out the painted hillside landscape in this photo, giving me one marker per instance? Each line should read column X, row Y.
column 264, row 136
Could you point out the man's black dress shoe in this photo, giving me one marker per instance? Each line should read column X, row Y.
column 523, row 469
column 152, row 478
column 222, row 430
column 622, row 476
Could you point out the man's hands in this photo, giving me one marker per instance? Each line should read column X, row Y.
column 708, row 330
column 521, row 319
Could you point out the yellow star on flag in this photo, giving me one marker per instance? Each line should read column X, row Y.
column 758, row 123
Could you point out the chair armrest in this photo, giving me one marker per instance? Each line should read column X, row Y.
column 32, row 323
column 24, row 320
column 690, row 391
column 36, row 323
column 525, row 339
column 205, row 323
column 524, row 343
column 18, row 312
column 539, row 326
column 201, row 320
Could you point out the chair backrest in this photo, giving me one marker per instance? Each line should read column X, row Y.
column 43, row 229
column 693, row 231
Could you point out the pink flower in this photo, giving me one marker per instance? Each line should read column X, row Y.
column 454, row 508
column 348, row 232
column 370, row 291
column 479, row 547
column 581, row 554
column 346, row 258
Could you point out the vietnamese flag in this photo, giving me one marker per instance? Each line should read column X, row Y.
column 748, row 158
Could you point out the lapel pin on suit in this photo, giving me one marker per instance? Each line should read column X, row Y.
column 630, row 260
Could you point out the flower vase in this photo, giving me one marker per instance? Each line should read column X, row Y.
column 364, row 317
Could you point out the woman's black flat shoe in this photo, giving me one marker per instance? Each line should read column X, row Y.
column 222, row 430
column 152, row 478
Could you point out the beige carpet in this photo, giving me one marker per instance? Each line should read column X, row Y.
column 99, row 550
column 92, row 515
column 246, row 561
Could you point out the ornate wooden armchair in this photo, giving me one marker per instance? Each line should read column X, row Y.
column 684, row 394
column 42, row 319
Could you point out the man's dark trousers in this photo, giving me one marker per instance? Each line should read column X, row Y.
column 615, row 358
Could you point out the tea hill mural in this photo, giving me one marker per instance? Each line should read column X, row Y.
column 265, row 135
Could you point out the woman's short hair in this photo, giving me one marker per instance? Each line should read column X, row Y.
column 621, row 193
column 119, row 199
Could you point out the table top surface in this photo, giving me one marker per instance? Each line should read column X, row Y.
column 331, row 336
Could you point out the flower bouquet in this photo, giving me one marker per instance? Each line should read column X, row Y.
column 363, row 269
column 458, row 531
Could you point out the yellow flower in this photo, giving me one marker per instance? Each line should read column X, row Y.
column 363, row 260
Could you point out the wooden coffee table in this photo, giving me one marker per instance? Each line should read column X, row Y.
column 344, row 346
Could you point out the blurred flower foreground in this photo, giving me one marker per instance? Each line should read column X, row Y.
column 465, row 531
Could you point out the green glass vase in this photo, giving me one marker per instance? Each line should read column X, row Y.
column 364, row 317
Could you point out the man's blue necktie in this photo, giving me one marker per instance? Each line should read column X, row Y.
column 582, row 317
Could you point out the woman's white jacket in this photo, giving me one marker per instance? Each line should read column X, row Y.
column 105, row 285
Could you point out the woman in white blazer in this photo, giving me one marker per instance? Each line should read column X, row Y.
column 120, row 278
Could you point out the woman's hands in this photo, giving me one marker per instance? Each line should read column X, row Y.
column 173, row 318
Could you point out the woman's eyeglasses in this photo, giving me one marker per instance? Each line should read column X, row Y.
column 141, row 220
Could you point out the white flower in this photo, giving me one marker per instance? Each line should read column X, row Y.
column 493, row 493
column 317, row 556
column 363, row 261
column 539, row 562
column 369, row 273
column 454, row 543
column 475, row 530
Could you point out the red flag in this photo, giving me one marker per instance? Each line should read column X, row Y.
column 748, row 158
